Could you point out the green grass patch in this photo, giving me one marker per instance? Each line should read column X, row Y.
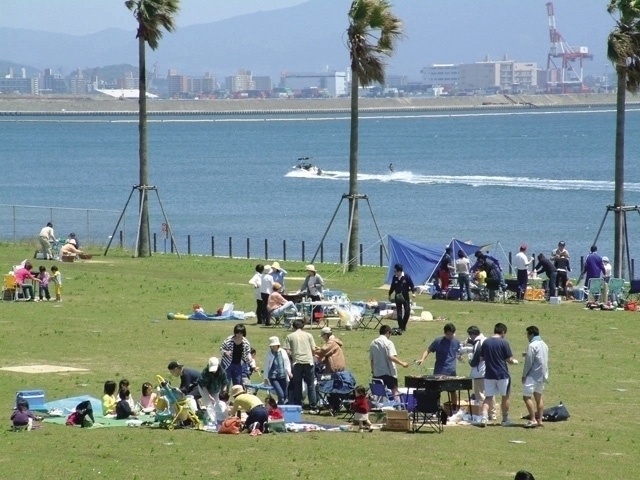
column 112, row 321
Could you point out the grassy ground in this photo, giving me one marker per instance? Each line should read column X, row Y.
column 112, row 321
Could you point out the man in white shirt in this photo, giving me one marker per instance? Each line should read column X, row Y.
column 521, row 263
column 534, row 375
column 266, row 289
column 46, row 237
column 383, row 357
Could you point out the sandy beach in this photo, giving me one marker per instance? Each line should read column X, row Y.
column 99, row 104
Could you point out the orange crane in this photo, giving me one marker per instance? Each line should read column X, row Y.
column 563, row 77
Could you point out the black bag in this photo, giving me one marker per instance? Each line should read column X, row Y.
column 558, row 413
column 396, row 331
column 399, row 297
column 84, row 411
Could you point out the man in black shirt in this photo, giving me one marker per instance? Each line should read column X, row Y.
column 545, row 265
column 188, row 378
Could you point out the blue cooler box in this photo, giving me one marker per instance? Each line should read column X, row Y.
column 34, row 397
column 292, row 413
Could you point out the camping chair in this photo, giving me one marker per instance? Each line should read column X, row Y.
column 595, row 288
column 381, row 397
column 336, row 391
column 511, row 291
column 428, row 410
column 371, row 318
column 9, row 288
column 634, row 291
column 616, row 286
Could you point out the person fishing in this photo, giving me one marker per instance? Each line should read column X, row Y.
column 391, row 167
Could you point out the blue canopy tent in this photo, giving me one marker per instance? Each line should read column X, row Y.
column 420, row 260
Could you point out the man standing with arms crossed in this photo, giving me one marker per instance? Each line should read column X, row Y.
column 496, row 354
column 383, row 357
column 534, row 375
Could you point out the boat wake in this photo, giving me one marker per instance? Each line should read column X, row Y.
column 471, row 180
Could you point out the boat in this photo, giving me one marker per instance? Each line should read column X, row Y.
column 305, row 164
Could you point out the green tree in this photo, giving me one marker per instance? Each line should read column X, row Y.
column 623, row 50
column 372, row 34
column 152, row 16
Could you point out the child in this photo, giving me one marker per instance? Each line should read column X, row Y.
column 361, row 409
column 123, row 409
column 148, row 398
column 44, row 283
column 124, row 385
column 22, row 416
column 57, row 281
column 221, row 408
column 272, row 409
column 109, row 399
column 249, row 368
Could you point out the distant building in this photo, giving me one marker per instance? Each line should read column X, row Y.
column 177, row 85
column 263, row 84
column 334, row 82
column 53, row 83
column 27, row 86
column 206, row 85
column 498, row 75
column 128, row 82
column 441, row 74
column 241, row 82
column 79, row 84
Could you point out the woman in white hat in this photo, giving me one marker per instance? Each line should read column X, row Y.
column 313, row 286
column 278, row 273
column 257, row 413
column 277, row 369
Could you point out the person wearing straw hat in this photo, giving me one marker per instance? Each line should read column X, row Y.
column 278, row 273
column 211, row 382
column 277, row 370
column 257, row 413
column 313, row 286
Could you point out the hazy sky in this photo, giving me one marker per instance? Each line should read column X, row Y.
column 80, row 17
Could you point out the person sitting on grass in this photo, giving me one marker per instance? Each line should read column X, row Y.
column 69, row 252
column 22, row 417
column 123, row 409
column 109, row 398
column 148, row 398
column 273, row 410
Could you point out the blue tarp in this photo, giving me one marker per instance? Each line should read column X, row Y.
column 420, row 260
column 68, row 405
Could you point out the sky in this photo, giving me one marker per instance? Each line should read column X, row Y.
column 61, row 16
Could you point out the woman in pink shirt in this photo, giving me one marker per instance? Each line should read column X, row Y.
column 21, row 275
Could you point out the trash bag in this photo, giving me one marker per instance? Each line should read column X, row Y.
column 558, row 413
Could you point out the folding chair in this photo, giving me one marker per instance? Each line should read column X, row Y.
column 10, row 288
column 511, row 292
column 428, row 410
column 595, row 288
column 371, row 318
column 616, row 286
column 634, row 291
column 381, row 397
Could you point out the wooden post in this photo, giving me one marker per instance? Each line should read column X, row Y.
column 266, row 249
column 341, row 252
column 154, row 242
column 121, row 239
column 303, row 250
column 284, row 250
column 361, row 255
column 322, row 253
column 213, row 246
column 248, row 248
column 230, row 247
column 510, row 263
column 188, row 244
column 381, row 254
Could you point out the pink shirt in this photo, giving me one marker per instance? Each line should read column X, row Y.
column 147, row 401
column 21, row 274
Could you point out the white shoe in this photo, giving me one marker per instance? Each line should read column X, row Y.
column 483, row 422
column 507, row 423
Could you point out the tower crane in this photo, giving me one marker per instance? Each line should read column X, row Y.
column 564, row 76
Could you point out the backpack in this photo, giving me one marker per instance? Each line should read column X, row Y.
column 231, row 425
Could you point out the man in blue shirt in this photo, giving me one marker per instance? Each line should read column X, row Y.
column 447, row 350
column 496, row 353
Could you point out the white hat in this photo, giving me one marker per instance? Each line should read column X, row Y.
column 72, row 241
column 275, row 266
column 273, row 341
column 325, row 331
column 267, row 269
column 310, row 268
column 213, row 364
column 236, row 390
column 605, row 259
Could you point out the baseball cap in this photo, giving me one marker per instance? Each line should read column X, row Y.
column 213, row 364
column 325, row 331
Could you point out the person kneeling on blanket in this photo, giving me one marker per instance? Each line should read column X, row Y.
column 257, row 413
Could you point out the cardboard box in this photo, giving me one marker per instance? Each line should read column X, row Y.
column 397, row 415
column 397, row 425
column 534, row 294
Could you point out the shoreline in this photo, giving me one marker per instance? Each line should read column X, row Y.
column 102, row 105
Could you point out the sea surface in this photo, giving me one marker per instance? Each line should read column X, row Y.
column 504, row 177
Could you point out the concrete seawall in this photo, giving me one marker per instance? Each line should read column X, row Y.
column 100, row 105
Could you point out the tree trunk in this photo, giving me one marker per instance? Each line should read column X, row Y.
column 353, row 177
column 619, row 234
column 144, row 246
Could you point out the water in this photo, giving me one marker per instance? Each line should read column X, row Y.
column 531, row 176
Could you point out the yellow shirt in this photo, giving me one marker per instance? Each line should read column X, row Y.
column 246, row 402
column 108, row 404
column 481, row 277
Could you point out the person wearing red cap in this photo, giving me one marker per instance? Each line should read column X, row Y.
column 521, row 263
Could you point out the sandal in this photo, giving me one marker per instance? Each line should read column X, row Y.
column 531, row 424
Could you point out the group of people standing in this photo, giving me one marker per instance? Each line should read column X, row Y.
column 269, row 286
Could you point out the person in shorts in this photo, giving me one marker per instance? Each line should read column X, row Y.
column 534, row 375
column 496, row 353
column 383, row 358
